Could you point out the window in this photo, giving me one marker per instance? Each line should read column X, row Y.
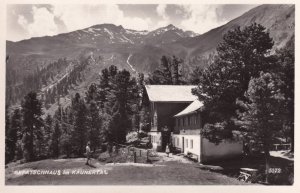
column 191, row 144
column 187, row 143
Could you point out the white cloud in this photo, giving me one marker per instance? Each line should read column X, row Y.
column 161, row 11
column 81, row 16
column 201, row 18
column 76, row 17
column 136, row 23
column 22, row 21
column 43, row 23
column 198, row 18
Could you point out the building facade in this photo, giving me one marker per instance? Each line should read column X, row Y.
column 165, row 102
column 177, row 118
column 187, row 137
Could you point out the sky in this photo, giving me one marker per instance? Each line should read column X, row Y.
column 25, row 20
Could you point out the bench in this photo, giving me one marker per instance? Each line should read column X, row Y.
column 247, row 174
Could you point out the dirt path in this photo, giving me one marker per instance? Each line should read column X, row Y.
column 129, row 63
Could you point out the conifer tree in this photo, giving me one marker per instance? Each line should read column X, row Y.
column 261, row 120
column 79, row 133
column 55, row 141
column 32, row 123
column 67, row 131
column 169, row 72
column 8, row 140
column 95, row 126
column 242, row 54
column 286, row 71
column 48, row 133
column 103, row 88
column 122, row 97
column 91, row 94
column 16, row 124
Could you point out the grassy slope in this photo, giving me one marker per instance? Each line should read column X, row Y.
column 165, row 173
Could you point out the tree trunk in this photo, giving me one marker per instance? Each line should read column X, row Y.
column 267, row 159
column 31, row 148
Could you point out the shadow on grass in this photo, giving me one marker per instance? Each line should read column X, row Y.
column 91, row 165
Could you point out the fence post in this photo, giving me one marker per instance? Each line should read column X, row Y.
column 134, row 157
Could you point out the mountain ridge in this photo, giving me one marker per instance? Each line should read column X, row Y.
column 140, row 51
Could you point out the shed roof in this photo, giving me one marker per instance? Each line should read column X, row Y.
column 170, row 93
column 193, row 107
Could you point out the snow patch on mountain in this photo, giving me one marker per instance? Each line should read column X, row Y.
column 111, row 35
column 129, row 31
column 127, row 40
column 179, row 34
column 91, row 30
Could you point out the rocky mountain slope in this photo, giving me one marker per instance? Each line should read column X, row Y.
column 138, row 51
column 279, row 21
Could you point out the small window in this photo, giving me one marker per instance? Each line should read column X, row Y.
column 187, row 143
column 155, row 119
column 191, row 144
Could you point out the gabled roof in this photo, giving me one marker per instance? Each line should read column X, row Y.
column 192, row 108
column 170, row 93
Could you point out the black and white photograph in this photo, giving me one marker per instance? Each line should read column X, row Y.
column 149, row 94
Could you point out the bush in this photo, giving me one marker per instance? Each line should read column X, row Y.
column 132, row 137
column 142, row 135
